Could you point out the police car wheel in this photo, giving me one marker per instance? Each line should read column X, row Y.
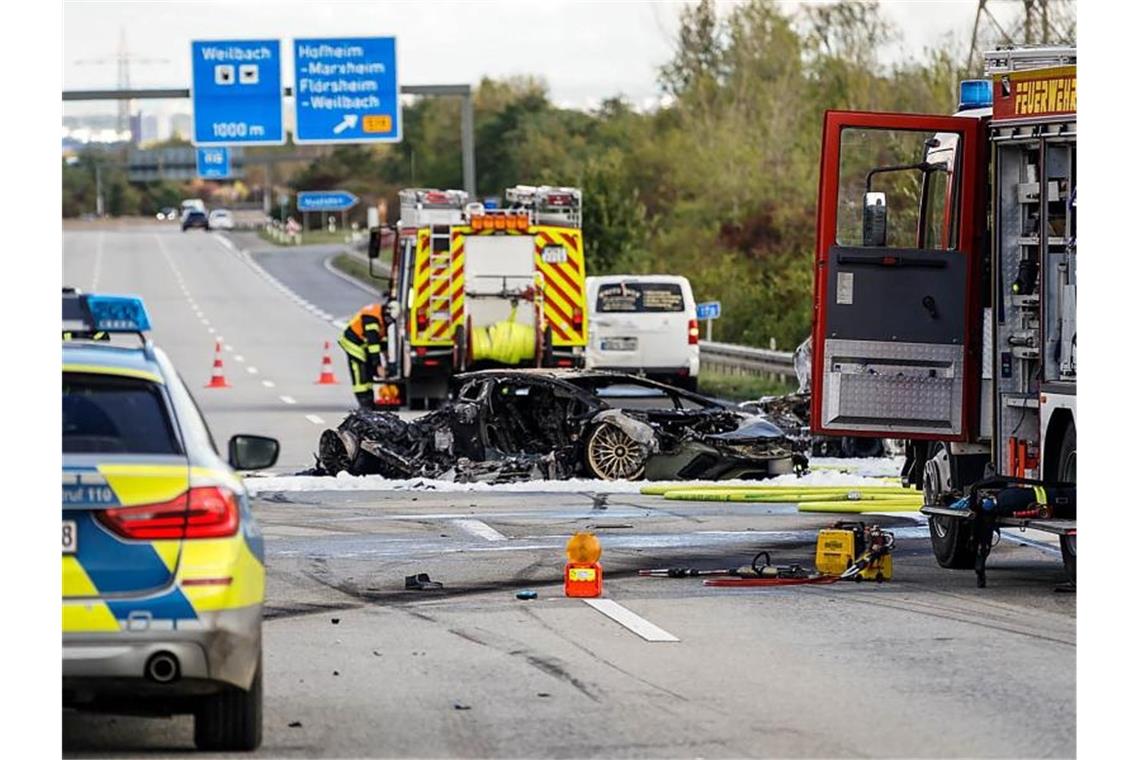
column 230, row 721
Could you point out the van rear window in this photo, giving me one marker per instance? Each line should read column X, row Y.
column 640, row 297
column 106, row 414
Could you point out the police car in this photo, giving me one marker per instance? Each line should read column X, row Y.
column 163, row 564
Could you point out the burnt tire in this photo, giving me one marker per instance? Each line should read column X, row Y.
column 612, row 454
column 230, row 721
column 858, row 447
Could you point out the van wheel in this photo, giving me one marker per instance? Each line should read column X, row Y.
column 230, row 721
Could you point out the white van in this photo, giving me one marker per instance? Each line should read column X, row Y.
column 646, row 324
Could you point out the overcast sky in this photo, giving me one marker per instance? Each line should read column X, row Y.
column 586, row 51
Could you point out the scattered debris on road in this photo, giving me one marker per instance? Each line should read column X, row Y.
column 421, row 582
column 526, row 594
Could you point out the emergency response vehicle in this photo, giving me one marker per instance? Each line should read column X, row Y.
column 474, row 286
column 945, row 299
column 163, row 563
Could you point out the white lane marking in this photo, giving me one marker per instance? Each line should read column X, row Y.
column 630, row 620
column 205, row 322
column 210, row 330
column 479, row 528
column 239, row 358
column 314, row 419
column 98, row 268
column 251, row 370
column 351, row 280
column 288, row 399
column 229, row 348
column 269, row 383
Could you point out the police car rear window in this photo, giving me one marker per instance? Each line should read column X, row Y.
column 105, row 414
column 640, row 297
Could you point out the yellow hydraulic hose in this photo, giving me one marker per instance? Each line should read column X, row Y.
column 787, row 497
column 660, row 489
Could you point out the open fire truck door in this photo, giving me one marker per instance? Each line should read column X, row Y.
column 897, row 336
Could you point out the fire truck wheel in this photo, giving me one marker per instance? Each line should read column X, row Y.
column 951, row 539
column 548, row 347
column 1067, row 473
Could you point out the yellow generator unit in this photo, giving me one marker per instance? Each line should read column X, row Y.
column 839, row 547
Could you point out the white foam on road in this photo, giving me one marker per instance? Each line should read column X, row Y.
column 314, row 419
column 864, row 472
column 630, row 620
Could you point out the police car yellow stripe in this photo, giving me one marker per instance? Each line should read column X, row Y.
column 216, row 559
column 76, row 582
column 145, row 483
column 88, row 616
column 98, row 369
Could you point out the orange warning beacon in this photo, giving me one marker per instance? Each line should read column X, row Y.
column 583, row 576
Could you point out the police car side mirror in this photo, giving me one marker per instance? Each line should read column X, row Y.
column 874, row 220
column 374, row 243
column 253, row 452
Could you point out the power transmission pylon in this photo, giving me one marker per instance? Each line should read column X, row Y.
column 1035, row 27
column 122, row 59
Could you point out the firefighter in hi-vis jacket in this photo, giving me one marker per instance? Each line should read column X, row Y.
column 365, row 341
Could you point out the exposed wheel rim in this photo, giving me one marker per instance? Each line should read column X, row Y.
column 940, row 525
column 614, row 455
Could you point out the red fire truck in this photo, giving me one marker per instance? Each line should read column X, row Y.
column 945, row 299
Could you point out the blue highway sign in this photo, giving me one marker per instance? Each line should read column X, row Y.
column 708, row 310
column 326, row 200
column 214, row 163
column 236, row 92
column 346, row 90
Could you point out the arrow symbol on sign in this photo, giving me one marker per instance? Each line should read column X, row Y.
column 348, row 122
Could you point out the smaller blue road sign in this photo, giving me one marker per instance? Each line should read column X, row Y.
column 708, row 310
column 214, row 163
column 346, row 90
column 326, row 200
column 236, row 92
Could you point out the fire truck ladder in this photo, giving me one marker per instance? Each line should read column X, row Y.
column 439, row 274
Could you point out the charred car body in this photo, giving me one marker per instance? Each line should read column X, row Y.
column 504, row 425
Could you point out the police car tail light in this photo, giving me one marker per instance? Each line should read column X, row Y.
column 209, row 512
column 694, row 332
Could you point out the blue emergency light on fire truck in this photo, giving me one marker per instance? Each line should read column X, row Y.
column 933, row 324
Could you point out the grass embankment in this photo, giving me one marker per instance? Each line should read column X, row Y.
column 740, row 387
column 309, row 237
column 357, row 268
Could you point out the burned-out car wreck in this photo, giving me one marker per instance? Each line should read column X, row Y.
column 506, row 425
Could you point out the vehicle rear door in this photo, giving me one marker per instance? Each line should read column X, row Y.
column 125, row 497
column 900, row 234
column 640, row 323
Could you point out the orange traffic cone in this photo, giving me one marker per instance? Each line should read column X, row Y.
column 327, row 377
column 218, row 378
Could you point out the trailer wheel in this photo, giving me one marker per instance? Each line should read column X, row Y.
column 1068, row 474
column 548, row 347
column 459, row 349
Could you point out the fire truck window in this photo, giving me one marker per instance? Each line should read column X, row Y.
column 914, row 172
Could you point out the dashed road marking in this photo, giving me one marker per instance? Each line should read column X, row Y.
column 239, row 358
column 251, row 370
column 314, row 419
column 288, row 399
column 630, row 620
column 479, row 529
column 269, row 383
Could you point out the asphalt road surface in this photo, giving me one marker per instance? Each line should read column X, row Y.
column 356, row 666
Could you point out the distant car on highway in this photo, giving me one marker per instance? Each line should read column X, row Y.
column 163, row 563
column 644, row 324
column 195, row 218
column 168, row 214
column 221, row 219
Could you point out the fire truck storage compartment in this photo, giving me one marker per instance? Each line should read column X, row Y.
column 497, row 267
column 1035, row 287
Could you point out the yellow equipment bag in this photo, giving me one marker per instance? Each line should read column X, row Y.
column 835, row 551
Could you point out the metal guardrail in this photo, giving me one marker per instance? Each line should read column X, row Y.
column 745, row 360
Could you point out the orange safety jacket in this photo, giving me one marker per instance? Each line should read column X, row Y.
column 366, row 336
